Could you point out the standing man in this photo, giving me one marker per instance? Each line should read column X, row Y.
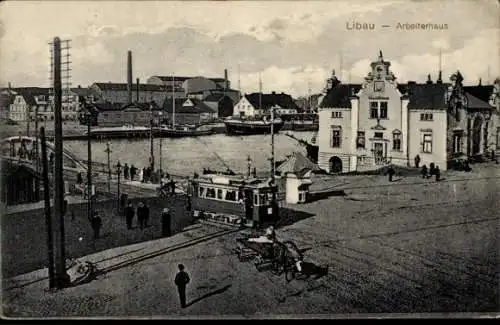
column 146, row 214
column 125, row 171
column 437, row 172
column 96, row 224
column 417, row 161
column 140, row 214
column 165, row 223
column 129, row 214
column 181, row 280
column 391, row 173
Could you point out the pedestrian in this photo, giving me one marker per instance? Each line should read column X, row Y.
column 146, row 215
column 437, row 172
column 133, row 170
column 417, row 161
column 165, row 223
column 172, row 186
column 140, row 214
column 391, row 173
column 181, row 280
column 96, row 223
column 424, row 171
column 431, row 170
column 125, row 171
column 129, row 214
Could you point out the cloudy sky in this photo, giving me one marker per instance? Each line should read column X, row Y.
column 294, row 45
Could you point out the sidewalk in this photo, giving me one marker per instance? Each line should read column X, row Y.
column 27, row 295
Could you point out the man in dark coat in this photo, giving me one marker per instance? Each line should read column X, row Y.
column 437, row 172
column 181, row 280
column 165, row 223
column 129, row 214
column 96, row 224
column 125, row 171
column 391, row 173
column 417, row 161
column 140, row 214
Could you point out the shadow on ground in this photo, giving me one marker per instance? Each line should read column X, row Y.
column 290, row 216
column 24, row 235
column 317, row 196
column 213, row 293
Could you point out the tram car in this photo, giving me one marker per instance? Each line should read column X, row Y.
column 252, row 201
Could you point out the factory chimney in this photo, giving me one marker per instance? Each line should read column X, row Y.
column 129, row 76
column 137, row 90
column 225, row 79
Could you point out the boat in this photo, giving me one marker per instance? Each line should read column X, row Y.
column 253, row 126
column 116, row 132
column 180, row 131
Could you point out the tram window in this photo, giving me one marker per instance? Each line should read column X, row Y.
column 255, row 199
column 202, row 191
column 230, row 195
column 210, row 193
column 219, row 194
column 263, row 199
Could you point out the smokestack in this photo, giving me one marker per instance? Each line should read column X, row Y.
column 129, row 76
column 137, row 90
column 225, row 78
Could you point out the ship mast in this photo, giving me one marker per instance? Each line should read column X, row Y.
column 173, row 101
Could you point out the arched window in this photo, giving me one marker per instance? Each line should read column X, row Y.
column 396, row 140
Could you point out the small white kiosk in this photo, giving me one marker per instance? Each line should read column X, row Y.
column 296, row 172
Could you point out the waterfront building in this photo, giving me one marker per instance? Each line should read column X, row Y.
column 257, row 104
column 380, row 122
column 120, row 114
column 183, row 85
column 118, row 92
column 188, row 111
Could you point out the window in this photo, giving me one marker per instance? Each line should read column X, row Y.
column 383, row 110
column 202, row 191
column 373, row 110
column 498, row 137
column 336, row 114
column 457, row 142
column 426, row 117
column 230, row 195
column 210, row 193
column 360, row 141
column 396, row 141
column 219, row 194
column 378, row 110
column 427, row 143
column 379, row 135
column 335, row 140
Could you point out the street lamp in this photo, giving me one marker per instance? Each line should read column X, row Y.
column 88, row 118
column 118, row 173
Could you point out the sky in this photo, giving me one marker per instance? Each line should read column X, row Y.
column 292, row 45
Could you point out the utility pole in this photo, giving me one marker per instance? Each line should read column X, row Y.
column 48, row 214
column 89, row 166
column 62, row 278
column 37, row 156
column 152, row 157
column 108, row 151
column 161, row 155
column 272, row 146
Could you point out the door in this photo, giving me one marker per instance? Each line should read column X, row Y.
column 249, row 204
column 378, row 152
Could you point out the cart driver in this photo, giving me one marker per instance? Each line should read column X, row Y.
column 269, row 237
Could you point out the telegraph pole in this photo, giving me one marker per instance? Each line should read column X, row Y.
column 61, row 277
column 272, row 146
column 108, row 151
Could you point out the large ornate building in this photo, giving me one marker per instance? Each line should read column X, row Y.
column 380, row 122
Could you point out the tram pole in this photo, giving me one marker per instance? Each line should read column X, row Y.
column 108, row 151
column 62, row 278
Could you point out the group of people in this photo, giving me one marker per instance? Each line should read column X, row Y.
column 144, row 175
column 142, row 212
column 432, row 170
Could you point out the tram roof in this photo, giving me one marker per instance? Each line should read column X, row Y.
column 235, row 180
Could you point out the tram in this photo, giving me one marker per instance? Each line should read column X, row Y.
column 253, row 200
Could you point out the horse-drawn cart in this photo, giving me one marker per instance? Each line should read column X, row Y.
column 278, row 257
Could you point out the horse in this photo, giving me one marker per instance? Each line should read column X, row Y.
column 287, row 258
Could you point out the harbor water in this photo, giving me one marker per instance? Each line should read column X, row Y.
column 183, row 156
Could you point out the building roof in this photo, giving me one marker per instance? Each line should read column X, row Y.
column 107, row 106
column 167, row 104
column 481, row 92
column 339, row 96
column 474, row 102
column 270, row 100
column 6, row 100
column 179, row 78
column 297, row 163
column 427, row 96
column 113, row 86
column 83, row 92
